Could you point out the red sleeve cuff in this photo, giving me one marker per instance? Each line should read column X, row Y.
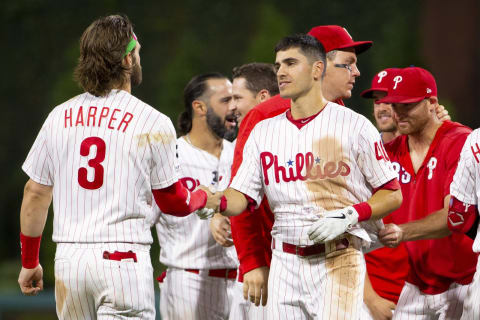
column 364, row 211
column 390, row 185
column 252, row 261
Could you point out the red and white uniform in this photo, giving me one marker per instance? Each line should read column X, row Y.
column 103, row 156
column 306, row 167
column 466, row 188
column 187, row 244
column 440, row 269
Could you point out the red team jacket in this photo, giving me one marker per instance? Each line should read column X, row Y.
column 434, row 264
column 251, row 230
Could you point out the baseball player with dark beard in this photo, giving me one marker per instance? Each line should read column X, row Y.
column 318, row 187
column 104, row 156
column 201, row 274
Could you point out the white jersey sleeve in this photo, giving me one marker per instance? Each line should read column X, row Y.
column 465, row 186
column 372, row 157
column 248, row 179
column 165, row 165
column 38, row 165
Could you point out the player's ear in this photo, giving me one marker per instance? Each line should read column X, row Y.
column 199, row 107
column 317, row 70
column 128, row 60
column 433, row 100
column 433, row 103
column 262, row 96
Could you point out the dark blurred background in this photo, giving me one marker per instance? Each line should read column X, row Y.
column 183, row 38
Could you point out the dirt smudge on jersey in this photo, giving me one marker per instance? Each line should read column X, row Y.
column 60, row 294
column 154, row 137
column 345, row 273
column 330, row 193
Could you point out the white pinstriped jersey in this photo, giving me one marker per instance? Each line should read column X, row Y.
column 103, row 156
column 466, row 181
column 333, row 161
column 187, row 242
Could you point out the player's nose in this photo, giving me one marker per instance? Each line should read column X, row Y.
column 355, row 70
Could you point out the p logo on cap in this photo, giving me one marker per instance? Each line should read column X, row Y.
column 380, row 83
column 397, row 80
column 381, row 75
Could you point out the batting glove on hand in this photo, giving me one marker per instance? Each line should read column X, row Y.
column 333, row 224
column 205, row 213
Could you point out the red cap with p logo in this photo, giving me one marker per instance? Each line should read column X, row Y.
column 411, row 85
column 380, row 82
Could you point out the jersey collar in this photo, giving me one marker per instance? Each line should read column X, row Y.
column 300, row 123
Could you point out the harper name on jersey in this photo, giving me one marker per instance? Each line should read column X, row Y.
column 90, row 117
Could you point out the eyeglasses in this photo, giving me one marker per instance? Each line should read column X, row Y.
column 344, row 66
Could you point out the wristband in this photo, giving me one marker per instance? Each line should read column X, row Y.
column 223, row 204
column 30, row 248
column 364, row 211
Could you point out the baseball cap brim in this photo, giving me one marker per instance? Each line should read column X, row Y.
column 368, row 94
column 359, row 46
column 401, row 99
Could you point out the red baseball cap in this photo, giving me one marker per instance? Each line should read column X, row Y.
column 380, row 82
column 411, row 85
column 335, row 37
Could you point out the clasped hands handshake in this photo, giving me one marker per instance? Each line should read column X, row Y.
column 212, row 205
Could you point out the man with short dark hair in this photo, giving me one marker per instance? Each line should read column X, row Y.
column 253, row 83
column 314, row 180
column 103, row 156
column 252, row 231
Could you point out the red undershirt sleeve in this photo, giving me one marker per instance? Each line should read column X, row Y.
column 177, row 200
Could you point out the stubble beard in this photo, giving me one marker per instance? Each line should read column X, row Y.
column 136, row 77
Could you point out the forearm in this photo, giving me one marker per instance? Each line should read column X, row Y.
column 236, row 202
column 383, row 202
column 369, row 293
column 34, row 209
column 433, row 226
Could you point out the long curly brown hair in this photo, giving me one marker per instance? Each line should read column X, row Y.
column 102, row 48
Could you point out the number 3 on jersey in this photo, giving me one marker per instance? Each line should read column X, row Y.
column 94, row 163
